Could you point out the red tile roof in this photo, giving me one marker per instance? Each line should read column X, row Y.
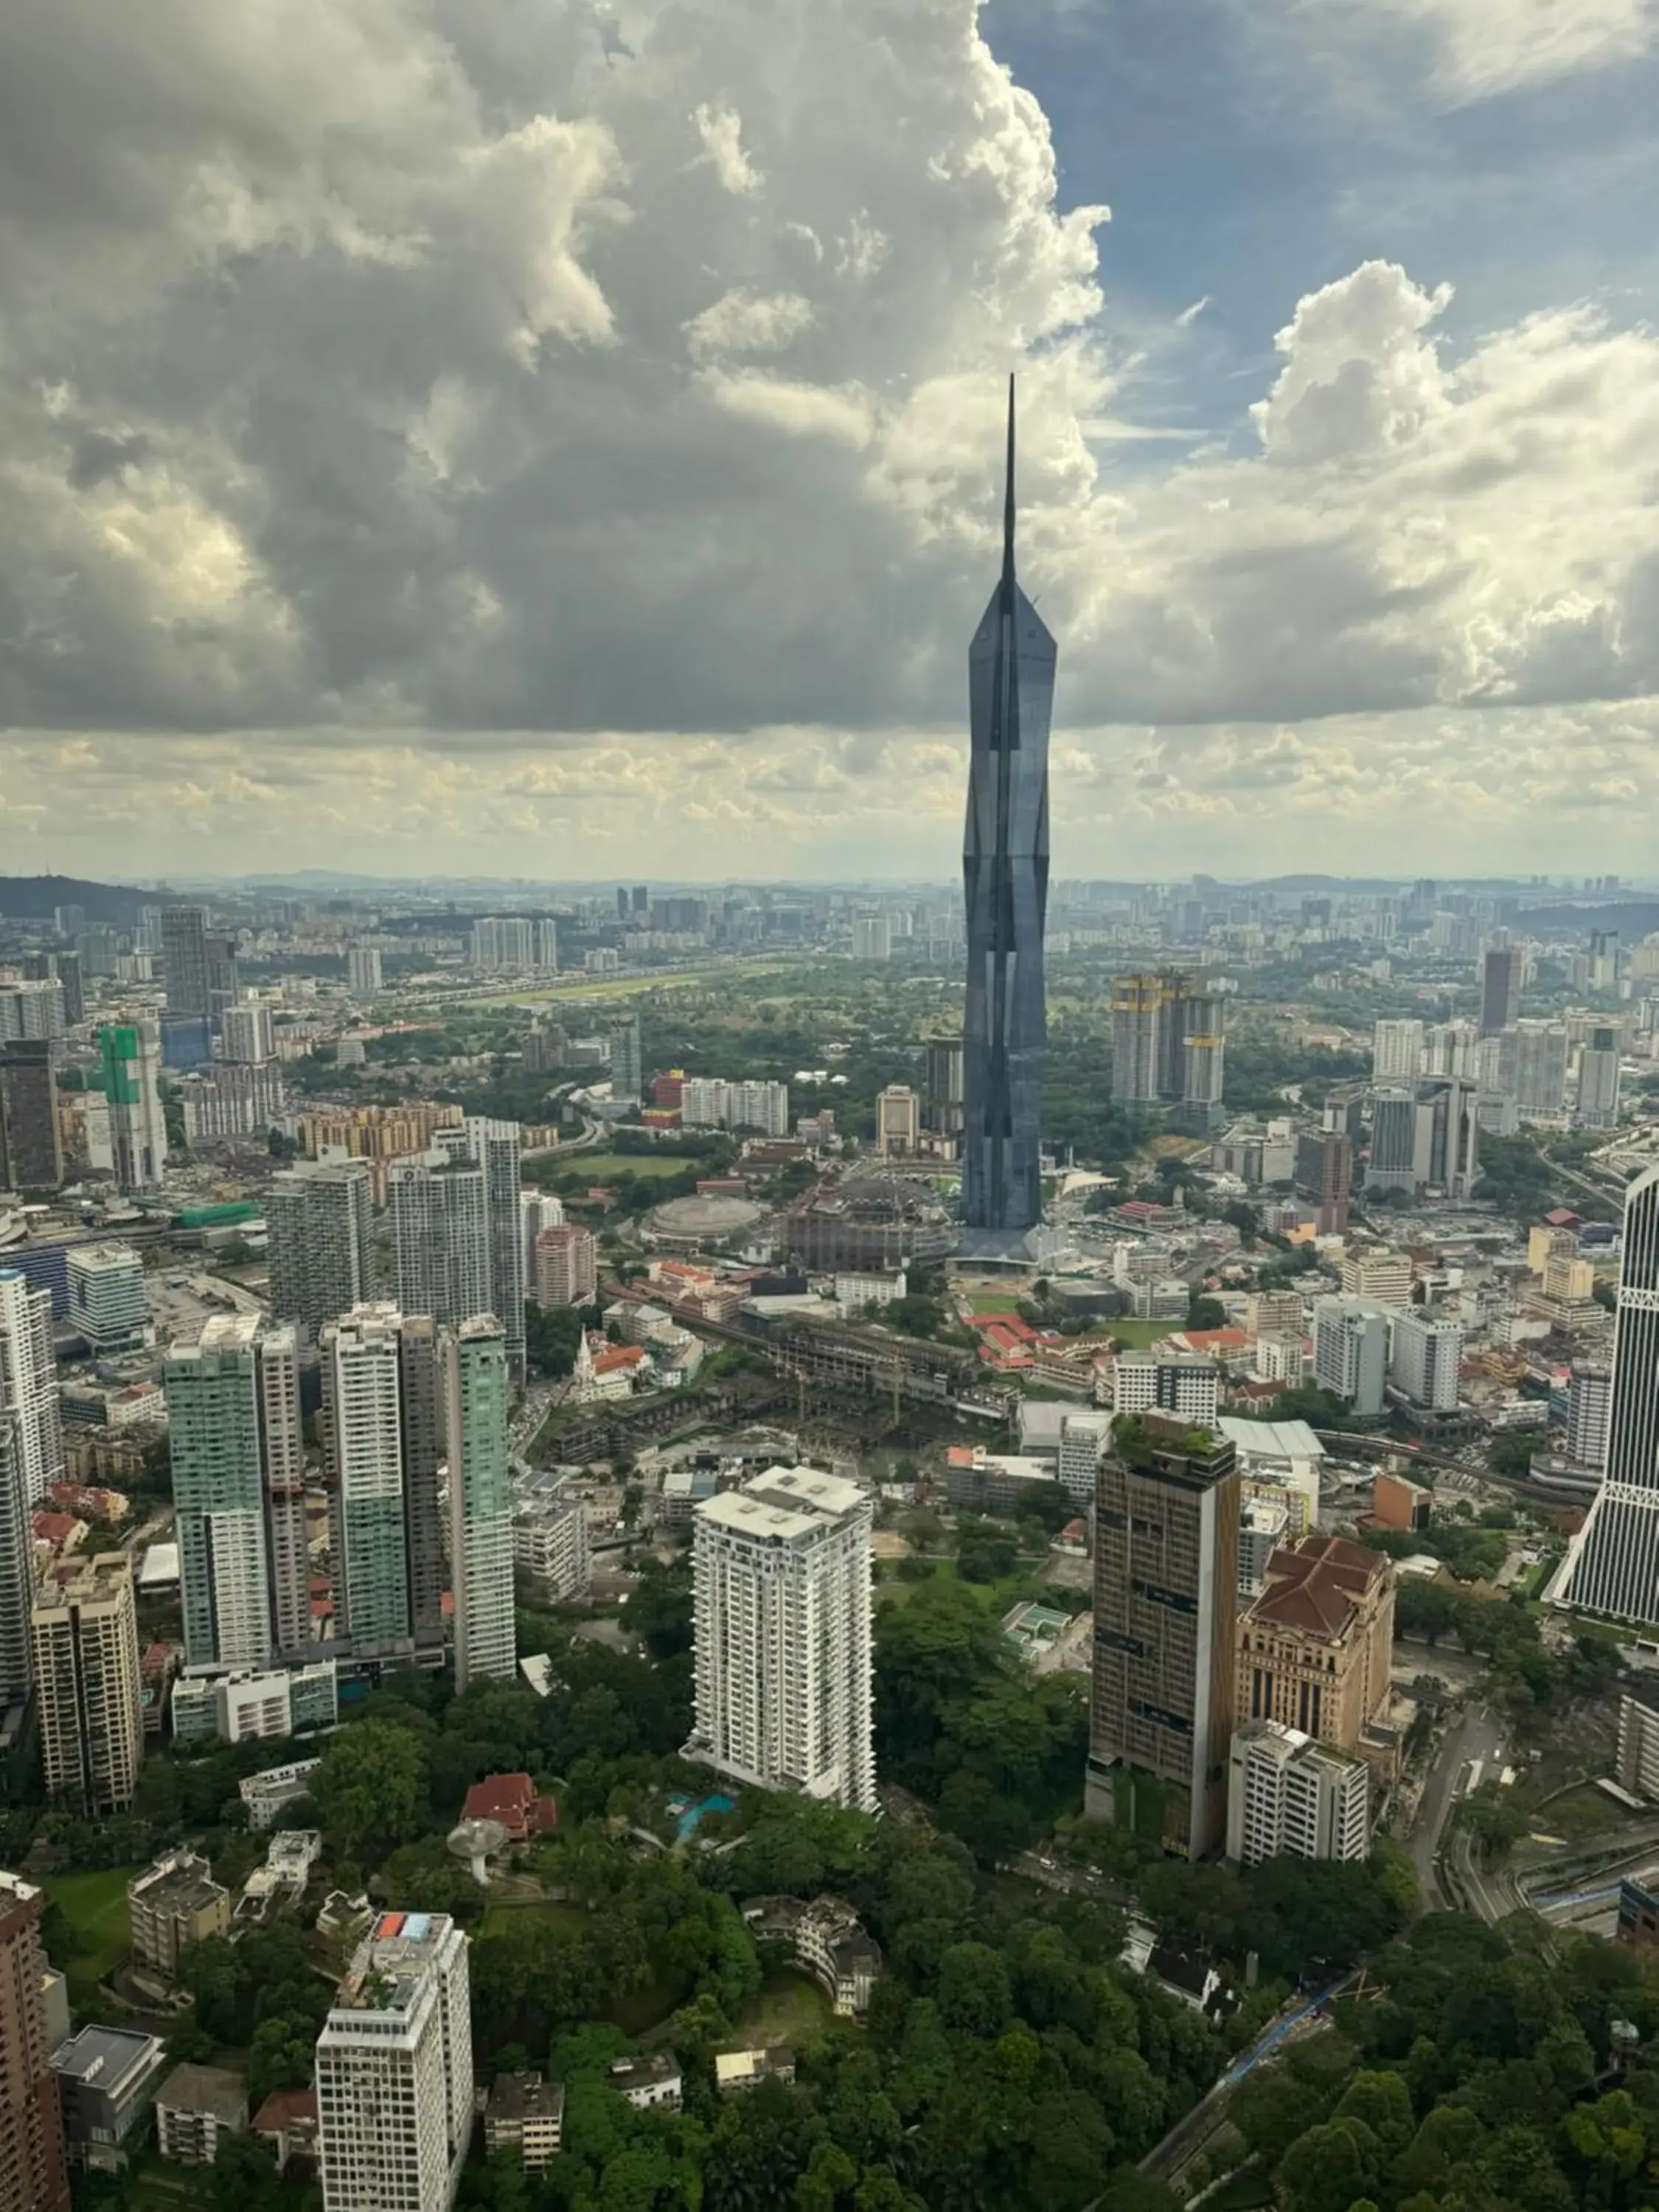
column 512, row 1800
column 1318, row 1585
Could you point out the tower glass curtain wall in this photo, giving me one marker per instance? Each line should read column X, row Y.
column 1613, row 1566
column 219, row 1493
column 1005, row 866
column 480, row 1502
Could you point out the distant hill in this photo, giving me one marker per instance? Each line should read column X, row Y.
column 33, row 898
column 1629, row 920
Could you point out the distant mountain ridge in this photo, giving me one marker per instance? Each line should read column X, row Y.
column 33, row 898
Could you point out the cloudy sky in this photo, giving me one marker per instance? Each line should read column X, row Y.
column 561, row 438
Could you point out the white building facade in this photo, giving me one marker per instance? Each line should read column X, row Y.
column 783, row 1661
column 1289, row 1797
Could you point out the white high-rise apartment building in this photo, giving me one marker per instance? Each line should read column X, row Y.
column 1541, row 1068
column 1599, row 1072
column 1425, row 1357
column 373, row 1417
column 1147, row 1382
column 536, row 1210
column 567, row 1266
column 505, row 944
column 363, row 974
column 495, row 1147
column 1589, row 1406
column 245, row 1033
column 475, row 1386
column 1351, row 1350
column 1082, row 1441
column 709, row 1103
column 30, row 1456
column 394, row 2070
column 28, row 1381
column 783, row 1663
column 872, row 937
column 1289, row 1797
column 106, row 1300
column 441, row 1217
column 1451, row 1048
column 1397, row 1051
column 550, row 1540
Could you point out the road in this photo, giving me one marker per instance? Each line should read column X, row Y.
column 1478, row 1734
column 1193, row 2130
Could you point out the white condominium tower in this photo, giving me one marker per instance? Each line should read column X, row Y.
column 30, row 1456
column 238, row 1448
column 476, row 1389
column 441, row 1215
column 783, row 1681
column 84, row 1637
column 394, row 2070
column 495, row 1147
column 380, row 1413
column 1289, row 1797
column 1613, row 1565
column 1397, row 1051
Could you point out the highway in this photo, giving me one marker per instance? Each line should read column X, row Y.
column 1477, row 1735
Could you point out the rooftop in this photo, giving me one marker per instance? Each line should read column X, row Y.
column 526, row 2097
column 1273, row 1439
column 392, row 1962
column 109, row 2057
column 206, row 2089
column 1318, row 1585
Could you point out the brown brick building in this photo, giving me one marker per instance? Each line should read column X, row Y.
column 1314, row 1647
column 32, row 2178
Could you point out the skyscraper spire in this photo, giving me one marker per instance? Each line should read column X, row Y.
column 1008, row 502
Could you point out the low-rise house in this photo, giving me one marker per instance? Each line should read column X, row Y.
column 525, row 2115
column 742, row 2070
column 650, row 2081
column 196, row 2107
column 287, row 2122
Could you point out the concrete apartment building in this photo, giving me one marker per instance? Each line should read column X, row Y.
column 380, row 1416
column 34, row 2177
column 1314, row 1648
column 784, row 1684
column 196, row 2108
column 1288, row 1796
column 1156, row 1383
column 107, row 2078
column 1166, row 1571
column 318, row 1223
column 83, row 1632
column 1351, row 1350
column 106, row 1300
column 394, row 2070
column 1426, row 1360
column 567, row 1266
column 476, row 1389
column 172, row 1905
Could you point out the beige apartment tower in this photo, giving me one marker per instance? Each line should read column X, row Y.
column 84, row 1632
column 32, row 2178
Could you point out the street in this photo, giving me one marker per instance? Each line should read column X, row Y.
column 1478, row 1734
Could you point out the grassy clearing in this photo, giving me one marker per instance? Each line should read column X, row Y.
column 1138, row 1335
column 95, row 1907
column 787, row 2009
column 597, row 1167
column 995, row 1597
column 592, row 987
column 995, row 1302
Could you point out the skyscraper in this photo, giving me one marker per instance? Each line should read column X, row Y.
column 944, row 1085
column 626, row 1075
column 131, row 1059
column 239, row 1488
column 1454, row 1150
column 495, row 1147
column 84, row 1635
column 1166, row 1573
column 32, row 2175
column 108, row 1301
column 440, row 1206
column 316, row 1220
column 1500, row 990
column 1613, row 1565
column 199, row 964
column 1204, row 1058
column 380, row 1408
column 363, row 974
column 475, row 1387
column 1006, row 884
column 31, row 1154
column 1401, row 1131
column 783, row 1665
column 1137, row 1033
column 28, row 1381
column 1351, row 1350
column 538, row 1210
column 247, row 1033
column 1599, row 1073
column 394, row 2070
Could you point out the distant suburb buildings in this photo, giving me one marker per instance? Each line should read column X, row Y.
column 783, row 1665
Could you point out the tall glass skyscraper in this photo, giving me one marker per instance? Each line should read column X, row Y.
column 1005, row 867
column 1613, row 1566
